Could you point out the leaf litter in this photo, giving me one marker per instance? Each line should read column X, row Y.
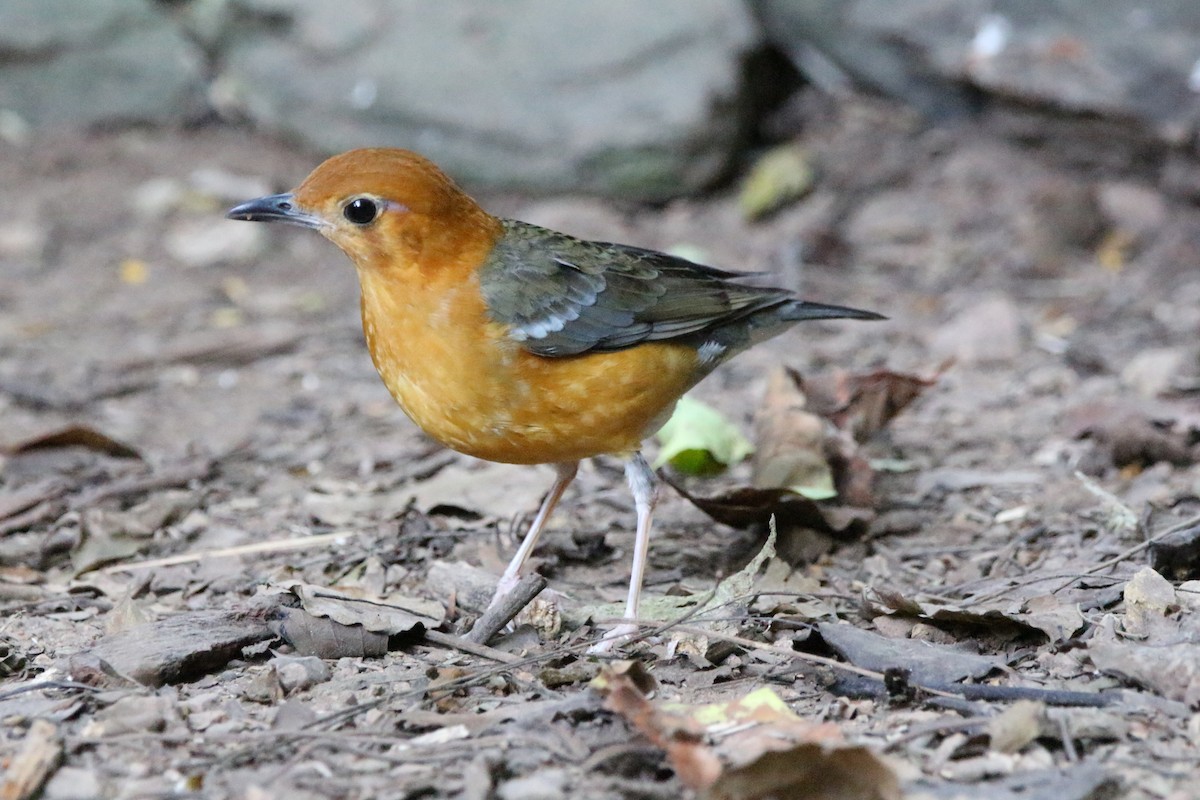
column 236, row 437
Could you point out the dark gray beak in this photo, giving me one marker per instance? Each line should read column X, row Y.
column 274, row 208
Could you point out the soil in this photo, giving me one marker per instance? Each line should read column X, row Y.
column 192, row 428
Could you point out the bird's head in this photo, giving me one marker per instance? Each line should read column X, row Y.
column 386, row 208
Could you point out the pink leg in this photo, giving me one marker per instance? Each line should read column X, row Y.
column 642, row 484
column 566, row 474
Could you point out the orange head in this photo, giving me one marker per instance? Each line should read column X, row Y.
column 385, row 208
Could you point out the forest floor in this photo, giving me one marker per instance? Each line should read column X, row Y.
column 201, row 472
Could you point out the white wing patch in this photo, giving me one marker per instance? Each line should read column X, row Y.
column 710, row 352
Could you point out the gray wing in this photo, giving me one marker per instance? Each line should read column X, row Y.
column 562, row 296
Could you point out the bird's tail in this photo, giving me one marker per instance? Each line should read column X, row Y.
column 801, row 310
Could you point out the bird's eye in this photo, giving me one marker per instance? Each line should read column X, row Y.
column 361, row 211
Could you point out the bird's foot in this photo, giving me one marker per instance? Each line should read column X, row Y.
column 614, row 639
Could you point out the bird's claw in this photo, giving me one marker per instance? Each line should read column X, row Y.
column 614, row 639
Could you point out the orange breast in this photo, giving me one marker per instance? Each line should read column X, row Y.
column 460, row 378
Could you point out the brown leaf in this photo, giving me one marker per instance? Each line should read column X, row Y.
column 789, row 441
column 73, row 436
column 751, row 748
column 39, row 756
column 1129, row 435
column 863, row 404
column 390, row 615
column 742, row 508
column 324, row 638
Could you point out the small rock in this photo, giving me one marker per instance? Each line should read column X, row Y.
column 988, row 332
column 1132, row 207
column 1151, row 371
column 131, row 714
column 1149, row 599
column 298, row 673
column 293, row 715
column 547, row 784
column 72, row 783
column 207, row 242
column 157, row 197
column 22, row 239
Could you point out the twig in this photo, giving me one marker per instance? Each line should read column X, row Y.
column 509, row 606
column 1137, row 548
column 274, row 546
column 1051, row 697
column 166, row 478
column 28, row 497
column 465, row 646
column 970, row 691
column 40, row 755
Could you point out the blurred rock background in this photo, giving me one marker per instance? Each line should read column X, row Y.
column 619, row 98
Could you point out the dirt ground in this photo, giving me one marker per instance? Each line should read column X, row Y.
column 193, row 435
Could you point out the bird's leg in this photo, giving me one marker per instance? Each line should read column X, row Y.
column 643, row 485
column 512, row 573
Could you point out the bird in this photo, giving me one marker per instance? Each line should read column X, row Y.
column 518, row 344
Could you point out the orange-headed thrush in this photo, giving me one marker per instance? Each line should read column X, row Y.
column 514, row 343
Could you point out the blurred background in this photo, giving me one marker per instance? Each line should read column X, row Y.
column 615, row 98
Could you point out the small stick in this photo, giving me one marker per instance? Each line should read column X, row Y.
column 463, row 645
column 37, row 760
column 509, row 606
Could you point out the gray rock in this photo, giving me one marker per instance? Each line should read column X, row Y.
column 617, row 97
column 85, row 62
column 1101, row 56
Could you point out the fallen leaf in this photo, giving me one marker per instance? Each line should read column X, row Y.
column 751, row 748
column 73, row 436
column 780, row 176
column 1166, row 662
column 697, row 440
column 1047, row 614
column 391, row 615
column 790, row 442
column 730, row 599
column 323, row 637
column 742, row 508
column 1135, row 435
column 40, row 755
column 874, row 399
column 927, row 663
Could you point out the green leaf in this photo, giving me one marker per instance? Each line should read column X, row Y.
column 697, row 440
column 779, row 177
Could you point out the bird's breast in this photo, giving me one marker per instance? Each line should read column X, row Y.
column 466, row 383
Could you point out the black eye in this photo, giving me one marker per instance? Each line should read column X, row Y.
column 361, row 211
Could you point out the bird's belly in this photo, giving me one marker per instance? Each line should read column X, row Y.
column 527, row 409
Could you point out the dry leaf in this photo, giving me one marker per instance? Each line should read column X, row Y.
column 752, row 748
column 390, row 615
column 324, row 638
column 790, row 442
column 1048, row 614
column 742, row 508
column 73, row 436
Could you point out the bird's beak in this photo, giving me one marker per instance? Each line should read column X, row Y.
column 274, row 208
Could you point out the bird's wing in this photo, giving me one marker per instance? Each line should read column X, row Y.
column 562, row 296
